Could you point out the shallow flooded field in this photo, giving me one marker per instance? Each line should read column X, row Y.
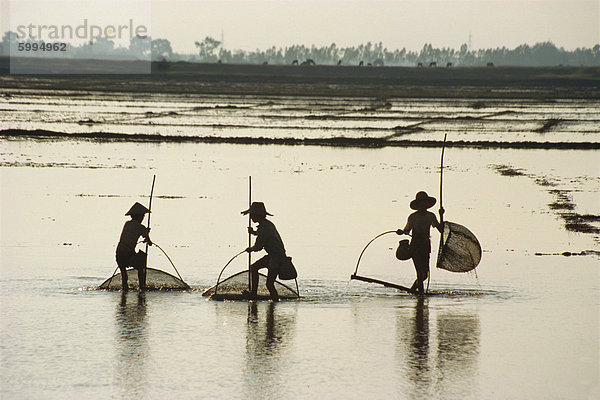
column 525, row 325
column 227, row 118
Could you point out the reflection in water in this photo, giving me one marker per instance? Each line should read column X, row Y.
column 418, row 351
column 265, row 342
column 441, row 364
column 132, row 345
column 457, row 353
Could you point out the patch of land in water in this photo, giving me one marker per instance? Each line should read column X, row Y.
column 366, row 142
column 562, row 205
column 319, row 80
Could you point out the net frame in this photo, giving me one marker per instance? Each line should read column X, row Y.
column 231, row 288
column 156, row 279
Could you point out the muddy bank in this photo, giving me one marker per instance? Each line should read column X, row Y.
column 323, row 80
column 562, row 205
column 329, row 142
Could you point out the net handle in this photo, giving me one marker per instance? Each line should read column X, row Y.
column 228, row 262
column 169, row 258
column 365, row 248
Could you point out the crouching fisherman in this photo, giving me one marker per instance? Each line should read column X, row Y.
column 126, row 255
column 267, row 238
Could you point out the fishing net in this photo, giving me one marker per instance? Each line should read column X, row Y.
column 155, row 280
column 460, row 250
column 232, row 288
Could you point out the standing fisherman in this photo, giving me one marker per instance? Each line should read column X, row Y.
column 267, row 238
column 419, row 224
column 126, row 255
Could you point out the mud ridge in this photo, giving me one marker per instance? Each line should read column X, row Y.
column 562, row 206
column 331, row 141
column 549, row 124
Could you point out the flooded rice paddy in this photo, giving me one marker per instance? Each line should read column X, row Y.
column 525, row 325
column 358, row 120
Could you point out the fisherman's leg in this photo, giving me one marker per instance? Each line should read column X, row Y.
column 415, row 284
column 122, row 261
column 422, row 271
column 257, row 265
column 421, row 286
column 142, row 278
column 271, row 277
column 124, row 285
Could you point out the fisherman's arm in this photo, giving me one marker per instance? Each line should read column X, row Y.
column 258, row 244
column 406, row 229
column 145, row 233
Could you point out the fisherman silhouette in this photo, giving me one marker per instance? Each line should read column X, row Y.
column 267, row 238
column 419, row 224
column 126, row 255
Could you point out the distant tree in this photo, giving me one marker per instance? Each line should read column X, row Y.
column 540, row 54
column 8, row 39
column 161, row 50
column 207, row 47
column 101, row 47
column 140, row 47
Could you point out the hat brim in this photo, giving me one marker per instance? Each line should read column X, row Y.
column 138, row 213
column 427, row 203
column 254, row 212
column 137, row 209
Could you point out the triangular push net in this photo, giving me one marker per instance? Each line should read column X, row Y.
column 232, row 288
column 155, row 280
column 460, row 250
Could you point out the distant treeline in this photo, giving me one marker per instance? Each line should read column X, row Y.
column 211, row 51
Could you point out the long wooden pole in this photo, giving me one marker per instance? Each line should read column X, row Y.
column 150, row 213
column 441, row 206
column 386, row 284
column 249, row 235
column 442, row 168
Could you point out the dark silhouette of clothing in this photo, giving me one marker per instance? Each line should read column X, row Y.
column 267, row 238
column 419, row 223
column 126, row 255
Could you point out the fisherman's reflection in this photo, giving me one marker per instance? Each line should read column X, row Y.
column 266, row 368
column 448, row 370
column 132, row 345
column 419, row 372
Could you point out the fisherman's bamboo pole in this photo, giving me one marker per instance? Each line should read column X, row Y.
column 150, row 214
column 441, row 207
column 249, row 235
column 442, row 168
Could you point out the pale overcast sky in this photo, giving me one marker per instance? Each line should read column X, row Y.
column 252, row 24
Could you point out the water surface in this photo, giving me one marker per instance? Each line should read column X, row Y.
column 525, row 326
